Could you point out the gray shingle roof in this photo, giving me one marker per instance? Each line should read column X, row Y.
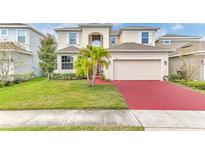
column 136, row 47
column 139, row 28
column 189, row 48
column 70, row 49
column 11, row 46
column 96, row 25
column 68, row 29
column 175, row 35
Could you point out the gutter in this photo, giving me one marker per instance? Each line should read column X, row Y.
column 190, row 53
column 140, row 50
column 18, row 51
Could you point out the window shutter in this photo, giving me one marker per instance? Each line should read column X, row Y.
column 77, row 39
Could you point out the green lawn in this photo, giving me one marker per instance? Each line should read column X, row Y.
column 76, row 128
column 74, row 94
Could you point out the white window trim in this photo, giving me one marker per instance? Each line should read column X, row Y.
column 147, row 37
column 115, row 39
column 163, row 42
column 17, row 36
column 6, row 31
column 61, row 57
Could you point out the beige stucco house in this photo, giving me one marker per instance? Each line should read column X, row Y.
column 22, row 42
column 134, row 55
column 188, row 49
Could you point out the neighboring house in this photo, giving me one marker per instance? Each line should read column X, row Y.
column 134, row 55
column 172, row 41
column 23, row 42
column 188, row 49
column 14, row 58
column 193, row 54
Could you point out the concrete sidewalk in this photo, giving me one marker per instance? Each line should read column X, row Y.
column 149, row 119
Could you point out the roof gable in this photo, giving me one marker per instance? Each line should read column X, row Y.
column 11, row 46
column 178, row 36
column 70, row 49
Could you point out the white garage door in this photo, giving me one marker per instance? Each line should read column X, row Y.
column 137, row 70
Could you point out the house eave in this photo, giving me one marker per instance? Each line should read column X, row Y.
column 201, row 52
column 11, row 50
column 138, row 50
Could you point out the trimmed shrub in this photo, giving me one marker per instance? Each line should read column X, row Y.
column 1, row 85
column 9, row 83
column 174, row 77
column 17, row 81
column 67, row 76
column 18, row 78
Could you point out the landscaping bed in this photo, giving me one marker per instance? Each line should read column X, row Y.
column 61, row 94
column 192, row 84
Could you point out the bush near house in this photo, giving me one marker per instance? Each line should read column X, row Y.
column 175, row 76
column 67, row 76
column 193, row 84
column 17, row 78
column 1, row 85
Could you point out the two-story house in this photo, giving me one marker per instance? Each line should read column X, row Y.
column 188, row 49
column 134, row 55
column 22, row 42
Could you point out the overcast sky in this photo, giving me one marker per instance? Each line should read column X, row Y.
column 171, row 28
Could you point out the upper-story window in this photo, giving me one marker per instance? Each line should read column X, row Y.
column 166, row 42
column 73, row 38
column 67, row 62
column 113, row 40
column 145, row 37
column 96, row 40
column 3, row 32
column 21, row 35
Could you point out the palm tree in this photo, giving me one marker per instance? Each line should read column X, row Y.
column 89, row 59
column 83, row 67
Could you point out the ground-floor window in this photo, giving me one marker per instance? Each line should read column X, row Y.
column 67, row 62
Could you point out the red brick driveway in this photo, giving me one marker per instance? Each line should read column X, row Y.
column 158, row 95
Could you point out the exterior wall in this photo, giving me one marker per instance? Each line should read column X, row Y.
column 13, row 37
column 195, row 62
column 136, row 36
column 62, row 39
column 59, row 69
column 22, row 63
column 83, row 37
column 35, row 39
column 130, row 55
column 175, row 43
column 117, row 40
column 103, row 31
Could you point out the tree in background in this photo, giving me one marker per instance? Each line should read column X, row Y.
column 47, row 55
